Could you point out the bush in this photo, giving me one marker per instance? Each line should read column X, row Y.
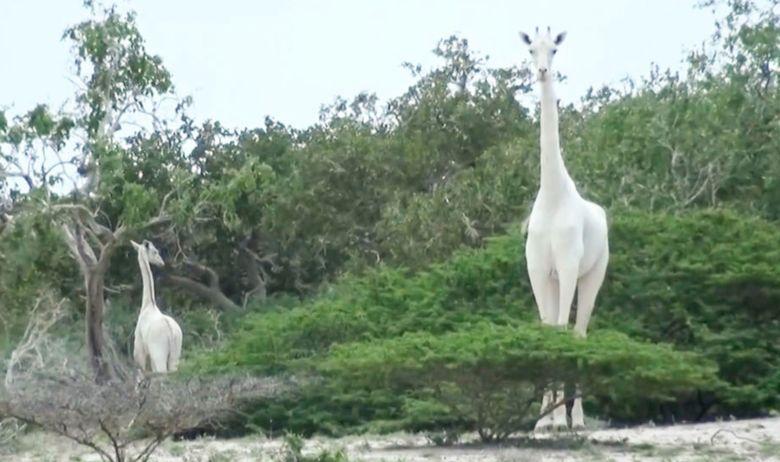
column 385, row 302
column 492, row 378
column 704, row 281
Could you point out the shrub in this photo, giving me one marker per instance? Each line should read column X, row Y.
column 475, row 285
column 492, row 378
column 705, row 281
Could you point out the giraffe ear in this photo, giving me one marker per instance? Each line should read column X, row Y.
column 525, row 38
column 560, row 38
column 136, row 245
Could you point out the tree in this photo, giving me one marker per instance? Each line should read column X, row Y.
column 119, row 77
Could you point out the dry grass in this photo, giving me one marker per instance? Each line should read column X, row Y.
column 757, row 439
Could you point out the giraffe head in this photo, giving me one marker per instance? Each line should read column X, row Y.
column 149, row 251
column 543, row 47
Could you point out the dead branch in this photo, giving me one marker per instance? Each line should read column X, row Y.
column 210, row 291
column 204, row 271
column 122, row 419
column 714, row 435
column 113, row 418
column 44, row 314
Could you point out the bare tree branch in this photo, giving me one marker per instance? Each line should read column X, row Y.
column 44, row 314
column 209, row 291
column 120, row 420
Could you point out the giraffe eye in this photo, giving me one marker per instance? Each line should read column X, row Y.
column 555, row 50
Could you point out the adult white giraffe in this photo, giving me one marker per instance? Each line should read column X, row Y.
column 157, row 336
column 567, row 246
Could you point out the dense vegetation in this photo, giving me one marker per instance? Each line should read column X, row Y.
column 709, row 286
column 378, row 253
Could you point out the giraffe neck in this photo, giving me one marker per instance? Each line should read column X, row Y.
column 554, row 177
column 146, row 275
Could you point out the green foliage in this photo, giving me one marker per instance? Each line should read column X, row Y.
column 112, row 58
column 700, row 281
column 494, row 376
column 39, row 265
column 706, row 281
column 387, row 302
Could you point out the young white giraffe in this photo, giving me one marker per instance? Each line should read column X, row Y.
column 567, row 246
column 157, row 336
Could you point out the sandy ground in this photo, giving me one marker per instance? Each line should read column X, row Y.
column 753, row 440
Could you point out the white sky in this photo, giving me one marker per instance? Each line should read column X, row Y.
column 242, row 60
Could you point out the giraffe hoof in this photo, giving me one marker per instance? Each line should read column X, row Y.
column 543, row 425
column 550, row 427
column 560, row 428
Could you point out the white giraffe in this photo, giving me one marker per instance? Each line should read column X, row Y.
column 157, row 336
column 567, row 246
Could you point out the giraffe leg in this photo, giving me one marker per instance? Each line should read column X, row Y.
column 558, row 415
column 139, row 352
column 577, row 415
column 158, row 353
column 568, row 250
column 159, row 361
column 567, row 253
column 560, row 422
column 546, row 293
column 545, row 422
column 587, row 290
column 567, row 284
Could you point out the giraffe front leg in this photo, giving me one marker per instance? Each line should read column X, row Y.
column 552, row 419
column 560, row 422
column 567, row 285
column 545, row 422
column 577, row 415
column 567, row 254
column 539, row 265
column 587, row 290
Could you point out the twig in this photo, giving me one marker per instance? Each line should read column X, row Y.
column 712, row 439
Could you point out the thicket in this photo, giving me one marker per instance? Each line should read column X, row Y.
column 491, row 378
column 705, row 282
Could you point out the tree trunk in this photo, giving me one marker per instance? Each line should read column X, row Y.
column 93, row 270
column 94, row 324
column 254, row 276
column 210, row 293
